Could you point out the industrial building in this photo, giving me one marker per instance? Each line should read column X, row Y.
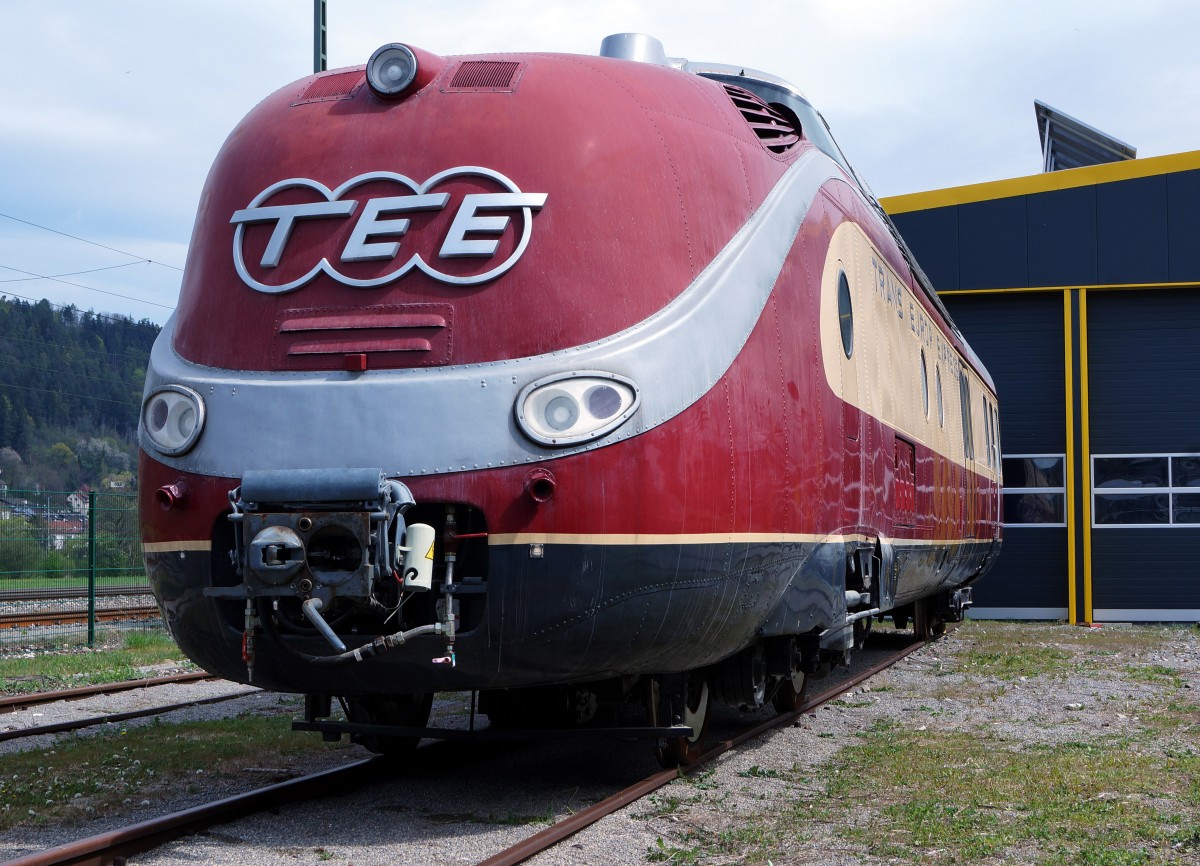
column 1079, row 287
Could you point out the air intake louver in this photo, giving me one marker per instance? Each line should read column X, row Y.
column 775, row 131
column 485, row 75
column 340, row 85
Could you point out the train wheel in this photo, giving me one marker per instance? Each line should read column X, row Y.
column 687, row 698
column 926, row 623
column 790, row 689
column 401, row 710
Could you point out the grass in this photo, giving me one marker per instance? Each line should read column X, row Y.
column 88, row 776
column 958, row 797
column 1122, row 796
column 123, row 577
column 119, row 658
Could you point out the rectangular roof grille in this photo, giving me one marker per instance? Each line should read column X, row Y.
column 341, row 85
column 484, row 75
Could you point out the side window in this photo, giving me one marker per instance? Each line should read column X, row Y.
column 924, row 386
column 941, row 406
column 845, row 314
column 968, row 430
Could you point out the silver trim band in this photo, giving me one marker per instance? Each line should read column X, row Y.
column 449, row 419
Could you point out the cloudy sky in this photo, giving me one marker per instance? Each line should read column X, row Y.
column 114, row 110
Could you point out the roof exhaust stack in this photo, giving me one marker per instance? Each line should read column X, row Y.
column 639, row 48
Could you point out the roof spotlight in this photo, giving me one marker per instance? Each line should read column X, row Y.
column 391, row 69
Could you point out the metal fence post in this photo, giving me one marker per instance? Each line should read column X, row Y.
column 91, row 639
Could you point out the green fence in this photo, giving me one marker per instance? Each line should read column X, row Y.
column 71, row 569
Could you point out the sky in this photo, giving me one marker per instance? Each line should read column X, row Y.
column 115, row 110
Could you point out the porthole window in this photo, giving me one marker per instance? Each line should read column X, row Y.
column 924, row 386
column 941, row 406
column 845, row 314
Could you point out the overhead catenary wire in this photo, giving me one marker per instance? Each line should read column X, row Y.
column 86, row 241
column 74, row 273
column 43, row 344
column 79, row 286
column 66, row 394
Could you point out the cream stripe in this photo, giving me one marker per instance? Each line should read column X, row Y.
column 202, row 545
column 634, row 539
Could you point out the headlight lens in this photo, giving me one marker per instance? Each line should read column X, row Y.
column 391, row 69
column 173, row 417
column 575, row 407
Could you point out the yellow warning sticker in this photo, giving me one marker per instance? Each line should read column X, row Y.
column 429, row 555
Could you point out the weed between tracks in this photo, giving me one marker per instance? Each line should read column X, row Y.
column 1112, row 783
column 88, row 776
column 120, row 657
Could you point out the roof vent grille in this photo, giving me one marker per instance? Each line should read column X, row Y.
column 777, row 133
column 340, row 85
column 485, row 75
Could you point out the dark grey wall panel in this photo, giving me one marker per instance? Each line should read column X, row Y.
column 993, row 244
column 1145, row 568
column 1019, row 337
column 1031, row 571
column 1144, row 362
column 933, row 237
column 1131, row 224
column 1062, row 237
column 1183, row 226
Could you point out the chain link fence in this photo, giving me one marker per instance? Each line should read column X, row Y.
column 71, row 569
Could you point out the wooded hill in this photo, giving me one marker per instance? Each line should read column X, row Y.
column 70, row 391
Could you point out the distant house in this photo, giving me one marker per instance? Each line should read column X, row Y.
column 61, row 528
column 79, row 500
column 119, row 481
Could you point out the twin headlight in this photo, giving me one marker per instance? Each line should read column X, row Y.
column 570, row 408
column 173, row 418
column 564, row 409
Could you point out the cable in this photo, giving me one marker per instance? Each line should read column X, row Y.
column 86, row 241
column 69, row 373
column 108, row 317
column 79, row 286
column 75, row 273
column 90, row 351
column 65, row 394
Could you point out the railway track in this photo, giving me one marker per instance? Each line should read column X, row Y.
column 13, row 703
column 113, row 847
column 38, row 618
column 17, row 703
column 113, row 718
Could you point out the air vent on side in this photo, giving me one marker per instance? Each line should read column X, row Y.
column 776, row 132
column 485, row 75
column 341, row 85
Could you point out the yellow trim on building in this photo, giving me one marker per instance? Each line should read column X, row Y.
column 1069, row 378
column 1085, row 424
column 1046, row 182
column 1099, row 287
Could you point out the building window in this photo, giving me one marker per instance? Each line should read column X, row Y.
column 1136, row 490
column 1035, row 492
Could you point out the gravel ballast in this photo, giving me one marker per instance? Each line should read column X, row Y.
column 1018, row 687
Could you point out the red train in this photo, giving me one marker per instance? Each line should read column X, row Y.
column 569, row 380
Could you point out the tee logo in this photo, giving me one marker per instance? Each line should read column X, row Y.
column 288, row 230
